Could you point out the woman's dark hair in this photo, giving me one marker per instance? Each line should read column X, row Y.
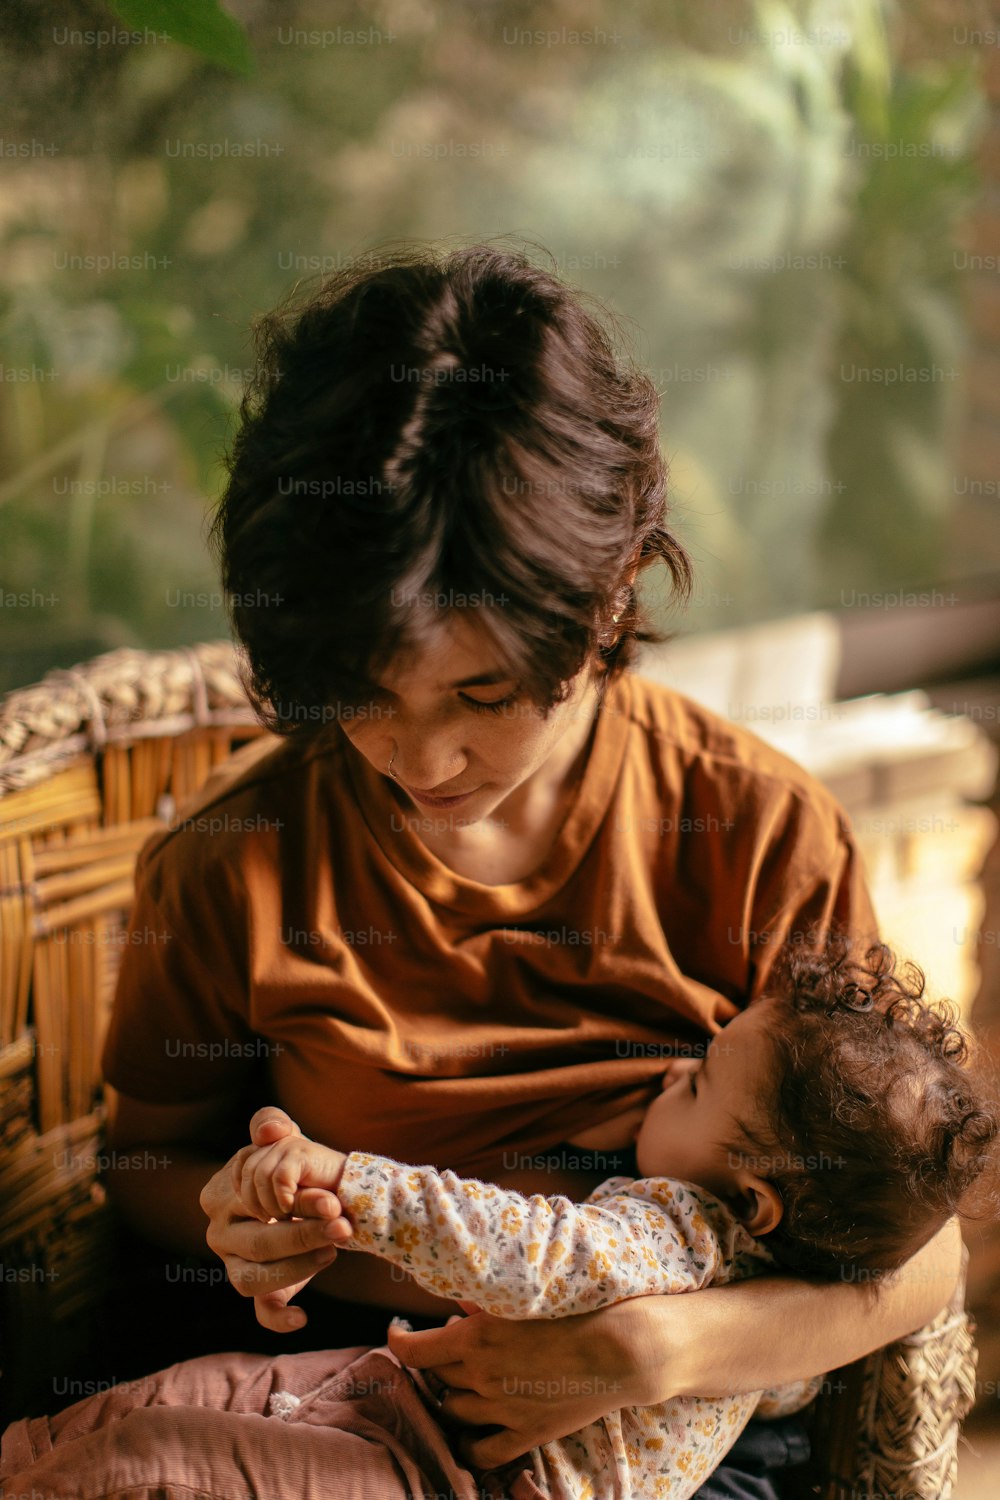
column 444, row 429
column 878, row 1130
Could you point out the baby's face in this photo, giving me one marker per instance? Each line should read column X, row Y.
column 685, row 1126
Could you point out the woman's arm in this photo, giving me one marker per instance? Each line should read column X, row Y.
column 746, row 1336
column 791, row 1329
column 158, row 1163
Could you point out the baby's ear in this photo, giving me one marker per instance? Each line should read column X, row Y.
column 760, row 1206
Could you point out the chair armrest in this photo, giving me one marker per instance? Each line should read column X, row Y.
column 889, row 1424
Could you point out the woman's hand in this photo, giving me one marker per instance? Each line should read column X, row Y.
column 282, row 1256
column 593, row 1363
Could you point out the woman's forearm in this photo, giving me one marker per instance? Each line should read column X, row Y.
column 771, row 1330
column 156, row 1189
column 356, row 1276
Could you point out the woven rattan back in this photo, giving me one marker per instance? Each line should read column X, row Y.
column 887, row 1427
column 91, row 762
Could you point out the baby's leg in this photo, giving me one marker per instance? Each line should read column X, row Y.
column 201, row 1428
column 179, row 1453
column 159, row 1429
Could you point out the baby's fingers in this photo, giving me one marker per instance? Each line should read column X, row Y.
column 676, row 1067
column 246, row 1177
column 268, row 1182
column 320, row 1203
column 278, row 1182
column 275, row 1185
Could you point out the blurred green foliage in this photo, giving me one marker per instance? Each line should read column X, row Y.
column 766, row 194
column 201, row 24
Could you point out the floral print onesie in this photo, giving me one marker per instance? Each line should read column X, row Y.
column 537, row 1257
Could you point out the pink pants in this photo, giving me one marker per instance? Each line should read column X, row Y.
column 362, row 1428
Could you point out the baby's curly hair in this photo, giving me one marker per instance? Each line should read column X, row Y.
column 879, row 1127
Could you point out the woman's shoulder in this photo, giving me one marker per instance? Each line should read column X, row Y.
column 258, row 791
column 692, row 738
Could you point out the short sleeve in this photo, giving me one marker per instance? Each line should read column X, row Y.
column 831, row 893
column 178, row 1031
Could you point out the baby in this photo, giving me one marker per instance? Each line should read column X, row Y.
column 831, row 1129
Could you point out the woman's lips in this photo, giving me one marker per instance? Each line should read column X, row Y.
column 438, row 801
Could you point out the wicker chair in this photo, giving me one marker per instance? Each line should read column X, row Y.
column 91, row 761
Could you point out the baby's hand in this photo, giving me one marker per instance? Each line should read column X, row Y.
column 678, row 1067
column 293, row 1177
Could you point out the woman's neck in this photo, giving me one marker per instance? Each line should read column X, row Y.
column 553, row 786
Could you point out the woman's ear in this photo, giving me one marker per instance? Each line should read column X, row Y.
column 760, row 1205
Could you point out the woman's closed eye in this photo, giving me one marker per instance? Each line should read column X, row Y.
column 496, row 707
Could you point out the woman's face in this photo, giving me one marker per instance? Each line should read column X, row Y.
column 454, row 725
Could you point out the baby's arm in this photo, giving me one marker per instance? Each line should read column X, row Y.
column 521, row 1257
column 512, row 1255
column 516, row 1256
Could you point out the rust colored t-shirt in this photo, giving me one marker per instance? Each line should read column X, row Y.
column 292, row 919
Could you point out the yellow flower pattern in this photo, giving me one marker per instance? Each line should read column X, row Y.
column 537, row 1257
column 406, row 1237
column 511, row 1220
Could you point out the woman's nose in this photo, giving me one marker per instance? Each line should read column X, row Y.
column 423, row 768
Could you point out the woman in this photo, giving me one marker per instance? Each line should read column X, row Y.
column 489, row 882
